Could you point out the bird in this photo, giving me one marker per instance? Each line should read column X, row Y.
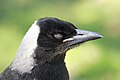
column 42, row 51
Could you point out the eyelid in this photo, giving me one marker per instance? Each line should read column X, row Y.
column 58, row 35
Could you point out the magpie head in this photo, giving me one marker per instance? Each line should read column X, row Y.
column 57, row 36
column 47, row 40
column 53, row 32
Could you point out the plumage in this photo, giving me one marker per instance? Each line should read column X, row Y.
column 42, row 51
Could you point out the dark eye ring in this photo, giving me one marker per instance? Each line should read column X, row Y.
column 58, row 36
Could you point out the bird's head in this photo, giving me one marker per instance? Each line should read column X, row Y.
column 47, row 39
column 57, row 36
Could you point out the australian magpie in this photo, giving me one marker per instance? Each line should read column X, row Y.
column 42, row 51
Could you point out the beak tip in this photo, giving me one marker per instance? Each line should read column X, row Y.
column 101, row 36
column 97, row 35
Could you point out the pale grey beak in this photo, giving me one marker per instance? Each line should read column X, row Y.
column 83, row 36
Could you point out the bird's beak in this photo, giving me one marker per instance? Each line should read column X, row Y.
column 83, row 36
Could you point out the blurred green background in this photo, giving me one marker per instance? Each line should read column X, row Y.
column 95, row 60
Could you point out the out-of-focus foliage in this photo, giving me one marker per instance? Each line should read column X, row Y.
column 96, row 60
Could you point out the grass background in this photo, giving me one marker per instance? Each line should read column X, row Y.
column 95, row 60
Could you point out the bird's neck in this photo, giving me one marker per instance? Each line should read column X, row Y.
column 57, row 60
column 51, row 70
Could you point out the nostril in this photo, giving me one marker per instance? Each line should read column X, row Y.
column 80, row 34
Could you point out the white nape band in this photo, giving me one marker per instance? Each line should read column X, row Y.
column 24, row 61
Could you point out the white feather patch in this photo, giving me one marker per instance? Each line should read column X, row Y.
column 24, row 61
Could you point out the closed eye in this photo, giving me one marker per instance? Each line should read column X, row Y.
column 58, row 36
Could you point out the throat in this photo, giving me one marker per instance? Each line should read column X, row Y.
column 57, row 60
column 51, row 70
